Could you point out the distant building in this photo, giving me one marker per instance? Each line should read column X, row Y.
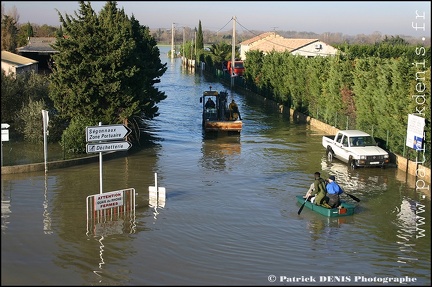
column 270, row 41
column 15, row 64
column 41, row 50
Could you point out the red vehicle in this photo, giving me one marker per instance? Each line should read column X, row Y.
column 238, row 68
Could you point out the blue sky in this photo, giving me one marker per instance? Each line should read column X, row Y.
column 347, row 17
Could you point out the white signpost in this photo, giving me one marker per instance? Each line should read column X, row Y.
column 107, row 133
column 109, row 146
column 4, row 138
column 45, row 121
column 101, row 137
column 5, row 132
column 157, row 195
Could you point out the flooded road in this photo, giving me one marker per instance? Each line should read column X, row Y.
column 230, row 216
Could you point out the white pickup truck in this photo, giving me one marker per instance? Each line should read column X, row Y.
column 356, row 148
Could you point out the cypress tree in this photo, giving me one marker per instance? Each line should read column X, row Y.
column 106, row 67
column 200, row 37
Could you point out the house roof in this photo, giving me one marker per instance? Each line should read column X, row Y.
column 259, row 37
column 270, row 41
column 15, row 59
column 39, row 45
column 282, row 44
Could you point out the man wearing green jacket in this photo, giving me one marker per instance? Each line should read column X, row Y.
column 318, row 190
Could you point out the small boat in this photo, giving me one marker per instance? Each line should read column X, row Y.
column 218, row 117
column 345, row 209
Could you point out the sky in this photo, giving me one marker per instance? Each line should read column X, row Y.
column 346, row 17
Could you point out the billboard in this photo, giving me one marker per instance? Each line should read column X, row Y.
column 415, row 132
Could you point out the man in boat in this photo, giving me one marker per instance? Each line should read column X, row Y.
column 318, row 190
column 210, row 104
column 234, row 111
column 333, row 192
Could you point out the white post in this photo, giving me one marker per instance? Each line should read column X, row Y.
column 100, row 168
column 45, row 120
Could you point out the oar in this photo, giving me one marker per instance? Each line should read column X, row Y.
column 353, row 197
column 301, row 208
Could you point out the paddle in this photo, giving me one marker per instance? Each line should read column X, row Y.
column 353, row 197
column 301, row 208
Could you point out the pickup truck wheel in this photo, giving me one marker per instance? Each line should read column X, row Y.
column 352, row 164
column 330, row 154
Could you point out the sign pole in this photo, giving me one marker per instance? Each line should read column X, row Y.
column 45, row 120
column 100, row 167
column 100, row 138
column 4, row 137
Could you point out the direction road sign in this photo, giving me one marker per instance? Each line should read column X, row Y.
column 107, row 146
column 107, row 133
column 5, row 132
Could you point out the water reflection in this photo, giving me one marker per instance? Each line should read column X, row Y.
column 102, row 262
column 217, row 150
column 320, row 227
column 406, row 220
column 5, row 207
column 357, row 179
column 46, row 213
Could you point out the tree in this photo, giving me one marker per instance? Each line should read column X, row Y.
column 106, row 68
column 29, row 30
column 395, row 40
column 200, row 38
column 24, row 32
column 9, row 34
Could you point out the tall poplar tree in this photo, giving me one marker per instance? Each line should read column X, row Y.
column 106, row 67
column 200, row 37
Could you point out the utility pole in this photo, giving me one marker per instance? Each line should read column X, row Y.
column 233, row 52
column 183, row 52
column 195, row 46
column 172, row 40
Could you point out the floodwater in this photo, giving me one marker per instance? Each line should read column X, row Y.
column 230, row 215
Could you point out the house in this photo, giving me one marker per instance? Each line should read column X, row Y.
column 270, row 41
column 41, row 50
column 15, row 64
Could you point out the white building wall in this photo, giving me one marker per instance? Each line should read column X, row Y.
column 7, row 68
column 243, row 50
column 316, row 49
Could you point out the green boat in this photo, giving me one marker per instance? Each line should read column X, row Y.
column 345, row 209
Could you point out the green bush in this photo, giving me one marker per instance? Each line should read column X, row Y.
column 29, row 121
column 73, row 140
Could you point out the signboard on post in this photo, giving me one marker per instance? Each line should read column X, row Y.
column 111, row 212
column 5, row 132
column 108, row 146
column 4, row 138
column 157, row 195
column 415, row 132
column 101, row 137
column 107, row 133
